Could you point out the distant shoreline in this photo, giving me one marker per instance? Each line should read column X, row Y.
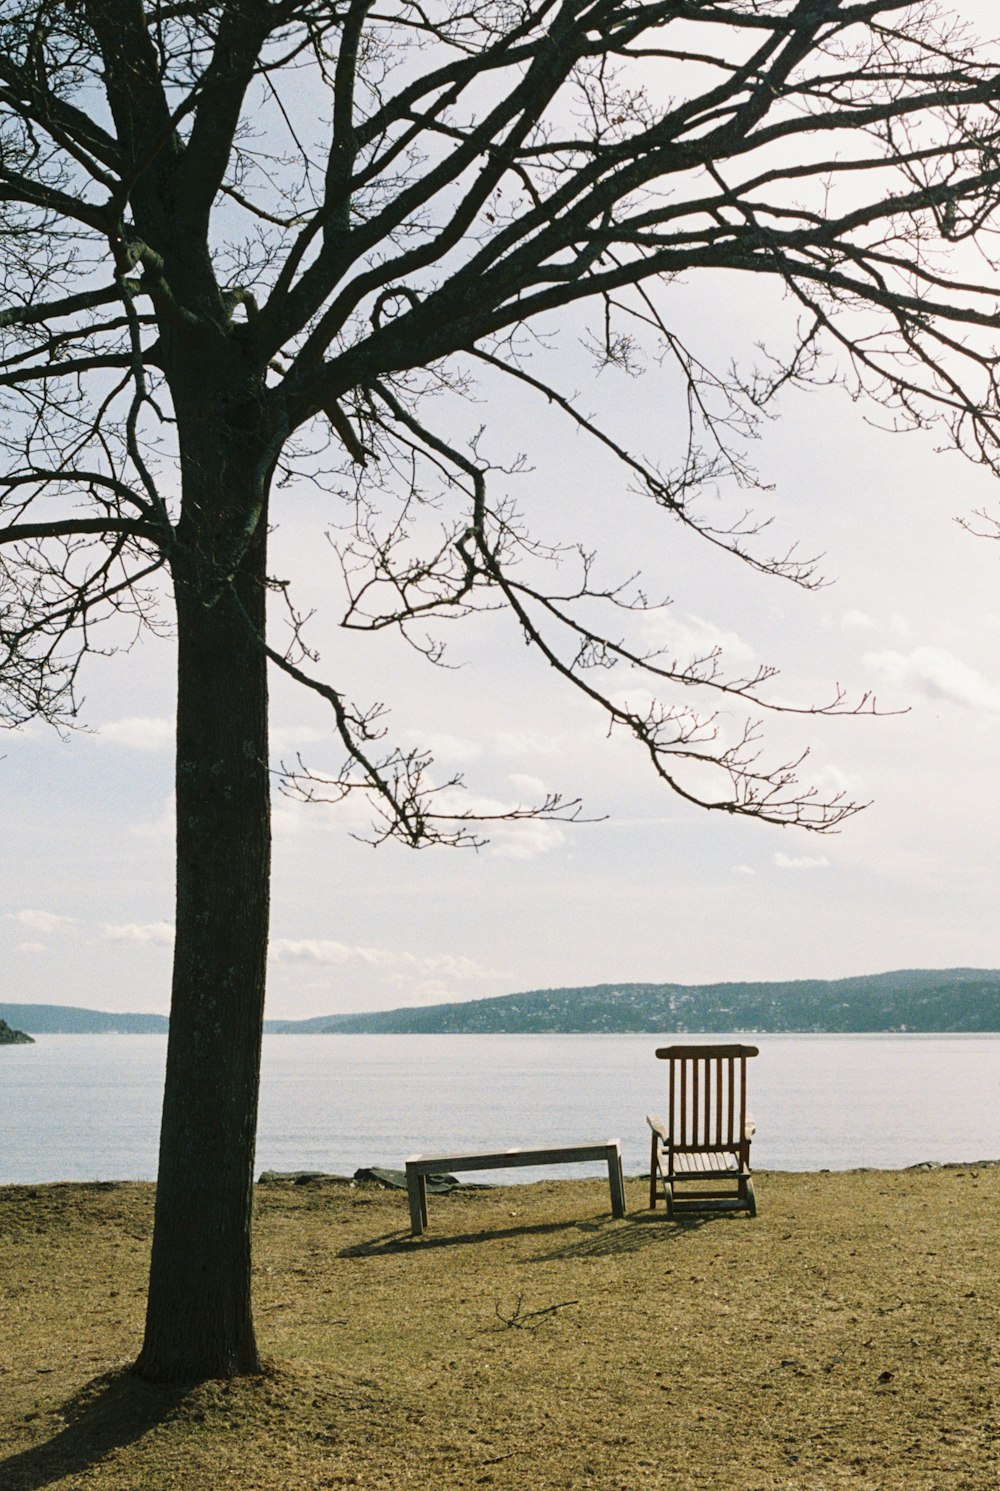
column 953, row 1001
column 657, row 1033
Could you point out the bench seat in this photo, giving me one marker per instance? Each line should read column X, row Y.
column 419, row 1166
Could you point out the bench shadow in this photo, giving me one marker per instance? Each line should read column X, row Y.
column 598, row 1237
column 108, row 1413
column 403, row 1242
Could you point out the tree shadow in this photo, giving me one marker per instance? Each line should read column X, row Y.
column 109, row 1412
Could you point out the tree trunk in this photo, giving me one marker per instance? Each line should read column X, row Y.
column 199, row 1322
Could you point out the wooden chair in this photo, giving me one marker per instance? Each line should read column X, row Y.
column 704, row 1147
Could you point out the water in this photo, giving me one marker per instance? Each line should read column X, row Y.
column 87, row 1107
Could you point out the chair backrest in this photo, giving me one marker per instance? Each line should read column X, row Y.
column 708, row 1095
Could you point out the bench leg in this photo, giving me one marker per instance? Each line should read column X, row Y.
column 616, row 1181
column 416, row 1194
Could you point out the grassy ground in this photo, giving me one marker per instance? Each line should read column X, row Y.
column 849, row 1337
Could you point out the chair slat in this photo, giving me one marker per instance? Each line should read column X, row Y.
column 695, row 1132
column 729, row 1133
column 684, row 1068
column 718, row 1100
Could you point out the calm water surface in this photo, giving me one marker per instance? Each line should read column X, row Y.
column 87, row 1107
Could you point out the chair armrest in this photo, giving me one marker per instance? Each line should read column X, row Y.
column 749, row 1128
column 657, row 1125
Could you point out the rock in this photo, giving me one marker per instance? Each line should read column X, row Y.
column 10, row 1037
column 300, row 1178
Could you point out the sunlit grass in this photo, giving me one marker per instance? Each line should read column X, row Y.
column 848, row 1337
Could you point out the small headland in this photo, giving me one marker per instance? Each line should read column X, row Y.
column 9, row 1037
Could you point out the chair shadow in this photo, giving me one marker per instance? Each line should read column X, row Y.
column 632, row 1234
column 108, row 1413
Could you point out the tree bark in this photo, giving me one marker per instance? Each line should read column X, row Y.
column 199, row 1322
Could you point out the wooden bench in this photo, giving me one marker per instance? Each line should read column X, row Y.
column 419, row 1166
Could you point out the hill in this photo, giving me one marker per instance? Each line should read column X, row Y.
column 936, row 1000
column 70, row 1019
column 919, row 1000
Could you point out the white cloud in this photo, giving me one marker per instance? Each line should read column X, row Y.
column 286, row 740
column 336, row 954
column 139, row 734
column 149, row 932
column 424, row 991
column 525, row 840
column 324, row 950
column 637, row 700
column 936, row 674
column 832, row 779
column 162, row 828
column 32, row 947
column 452, row 749
column 45, row 922
column 860, row 621
column 800, row 862
column 531, row 788
column 689, row 637
column 743, row 870
column 518, row 744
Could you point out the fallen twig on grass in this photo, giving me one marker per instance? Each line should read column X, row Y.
column 520, row 1318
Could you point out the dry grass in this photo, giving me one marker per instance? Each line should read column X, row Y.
column 847, row 1338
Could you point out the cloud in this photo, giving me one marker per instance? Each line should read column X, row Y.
column 689, row 637
column 526, row 840
column 936, row 674
column 833, row 779
column 743, row 870
column 800, row 862
column 519, row 744
column 285, row 740
column 164, row 827
column 45, row 922
column 32, row 947
column 531, row 788
column 444, row 748
column 337, row 954
column 860, row 621
column 638, row 699
column 324, row 950
column 424, row 991
column 149, row 932
column 139, row 734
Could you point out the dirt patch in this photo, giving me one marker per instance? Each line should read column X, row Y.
column 849, row 1337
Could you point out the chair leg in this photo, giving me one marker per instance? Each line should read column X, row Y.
column 654, row 1156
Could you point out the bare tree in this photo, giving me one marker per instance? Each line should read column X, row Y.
column 255, row 238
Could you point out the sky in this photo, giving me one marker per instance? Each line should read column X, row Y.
column 649, row 889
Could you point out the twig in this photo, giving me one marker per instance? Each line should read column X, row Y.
column 519, row 1319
